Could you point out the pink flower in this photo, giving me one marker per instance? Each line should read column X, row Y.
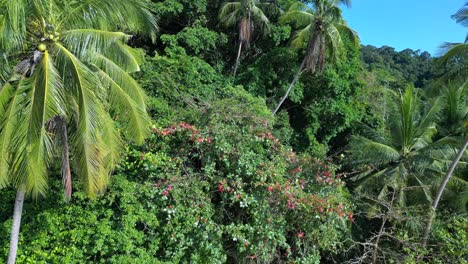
column 165, row 193
column 300, row 234
column 220, row 187
column 291, row 205
column 270, row 188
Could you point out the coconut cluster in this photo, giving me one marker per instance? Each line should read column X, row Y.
column 50, row 37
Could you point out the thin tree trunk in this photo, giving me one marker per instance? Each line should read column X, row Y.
column 377, row 241
column 296, row 77
column 435, row 203
column 15, row 228
column 238, row 58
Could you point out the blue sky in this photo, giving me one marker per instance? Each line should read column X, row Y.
column 414, row 24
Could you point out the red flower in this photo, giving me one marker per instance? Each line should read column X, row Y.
column 220, row 187
column 165, row 193
column 238, row 196
column 350, row 216
column 270, row 188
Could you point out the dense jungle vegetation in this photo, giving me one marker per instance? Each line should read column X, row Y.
column 206, row 131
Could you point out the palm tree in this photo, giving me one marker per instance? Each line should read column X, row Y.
column 73, row 71
column 456, row 53
column 247, row 15
column 322, row 27
column 397, row 157
column 456, row 108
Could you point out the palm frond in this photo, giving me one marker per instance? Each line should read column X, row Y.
column 11, row 39
column 261, row 19
column 124, row 56
column 131, row 15
column 366, row 151
column 448, row 51
column 11, row 102
column 87, row 147
column 82, row 41
column 229, row 13
column 333, row 15
column 335, row 42
column 136, row 121
column 347, row 3
column 121, row 78
column 425, row 188
column 298, row 18
column 406, row 116
column 425, row 128
column 111, row 138
column 352, row 34
column 301, row 37
column 44, row 103
column 461, row 16
column 5, row 70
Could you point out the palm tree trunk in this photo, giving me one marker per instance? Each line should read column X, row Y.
column 15, row 228
column 238, row 58
column 296, row 77
column 435, row 203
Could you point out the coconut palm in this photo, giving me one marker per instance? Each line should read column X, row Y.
column 457, row 109
column 322, row 27
column 73, row 71
column 398, row 156
column 247, row 15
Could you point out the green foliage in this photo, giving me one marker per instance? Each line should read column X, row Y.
column 228, row 192
column 403, row 68
column 450, row 236
column 195, row 40
column 221, row 180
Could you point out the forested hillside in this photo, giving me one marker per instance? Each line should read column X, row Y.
column 206, row 131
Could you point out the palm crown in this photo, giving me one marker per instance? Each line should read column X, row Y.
column 404, row 149
column 321, row 26
column 60, row 94
column 247, row 14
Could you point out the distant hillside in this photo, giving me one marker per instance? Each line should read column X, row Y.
column 397, row 69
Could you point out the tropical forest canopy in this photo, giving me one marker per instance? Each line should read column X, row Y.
column 208, row 131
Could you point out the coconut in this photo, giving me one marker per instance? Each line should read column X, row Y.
column 42, row 47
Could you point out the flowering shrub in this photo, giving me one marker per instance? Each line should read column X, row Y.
column 223, row 190
column 266, row 203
